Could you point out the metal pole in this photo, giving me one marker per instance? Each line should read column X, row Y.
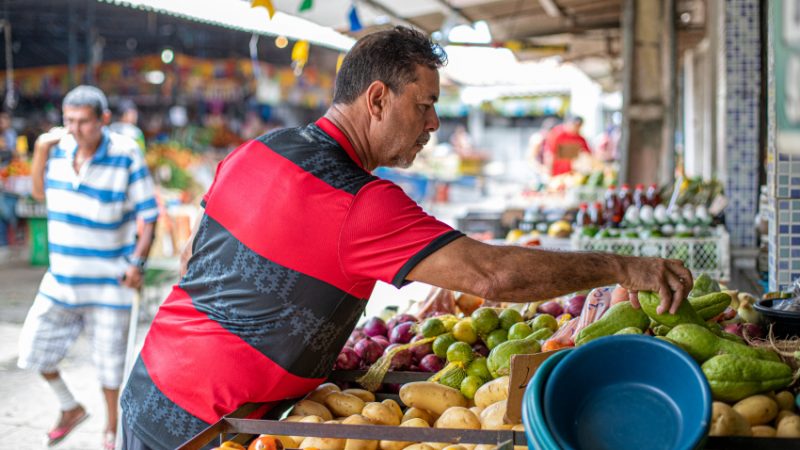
column 628, row 44
column 72, row 45
column 670, row 52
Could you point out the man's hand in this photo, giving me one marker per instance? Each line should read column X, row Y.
column 132, row 278
column 52, row 137
column 668, row 277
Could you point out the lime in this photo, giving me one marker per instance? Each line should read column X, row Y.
column 509, row 317
column 496, row 338
column 441, row 343
column 519, row 330
column 544, row 321
column 459, row 352
column 485, row 320
column 449, row 321
column 470, row 385
column 478, row 368
column 465, row 332
column 433, row 327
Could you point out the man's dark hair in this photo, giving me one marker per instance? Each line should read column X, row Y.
column 87, row 96
column 390, row 56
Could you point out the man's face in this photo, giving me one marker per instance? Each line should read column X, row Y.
column 411, row 118
column 84, row 125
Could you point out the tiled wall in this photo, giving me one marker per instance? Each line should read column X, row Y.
column 742, row 49
column 783, row 163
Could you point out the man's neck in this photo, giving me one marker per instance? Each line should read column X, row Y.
column 354, row 127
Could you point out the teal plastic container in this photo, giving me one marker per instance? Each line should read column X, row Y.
column 536, row 430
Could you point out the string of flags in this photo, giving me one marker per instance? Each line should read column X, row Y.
column 307, row 5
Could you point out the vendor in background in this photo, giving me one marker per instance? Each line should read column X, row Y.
column 536, row 143
column 8, row 139
column 96, row 184
column 563, row 145
column 296, row 232
column 127, row 123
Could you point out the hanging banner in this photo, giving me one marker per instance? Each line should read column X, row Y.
column 306, row 5
column 264, row 4
column 355, row 23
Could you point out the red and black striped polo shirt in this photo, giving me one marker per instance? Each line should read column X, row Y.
column 294, row 236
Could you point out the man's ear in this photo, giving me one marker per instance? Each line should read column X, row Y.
column 106, row 117
column 377, row 98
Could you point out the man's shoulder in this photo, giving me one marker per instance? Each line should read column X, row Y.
column 122, row 145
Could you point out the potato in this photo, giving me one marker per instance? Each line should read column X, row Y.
column 292, row 418
column 477, row 410
column 757, row 409
column 395, row 408
column 311, row 408
column 344, row 405
column 420, row 447
column 458, row 417
column 789, row 428
column 363, row 394
column 785, row 401
column 485, row 447
column 762, row 431
column 492, row 392
column 414, row 413
column 318, row 395
column 359, row 444
column 518, row 427
column 437, row 445
column 725, row 421
column 782, row 415
column 400, row 445
column 323, row 443
column 455, row 447
column 493, row 417
column 433, row 397
column 380, row 414
column 286, row 441
column 307, row 419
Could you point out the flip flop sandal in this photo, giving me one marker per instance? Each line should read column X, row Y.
column 58, row 434
column 109, row 441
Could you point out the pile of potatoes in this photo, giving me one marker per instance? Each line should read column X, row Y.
column 429, row 405
column 773, row 415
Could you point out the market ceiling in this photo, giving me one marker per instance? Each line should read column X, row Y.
column 586, row 32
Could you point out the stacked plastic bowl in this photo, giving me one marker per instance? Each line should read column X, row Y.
column 618, row 393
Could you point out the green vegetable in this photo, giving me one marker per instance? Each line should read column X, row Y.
column 620, row 316
column 710, row 305
column 702, row 344
column 734, row 377
column 540, row 334
column 704, row 285
column 452, row 375
column 685, row 313
column 629, row 330
column 499, row 360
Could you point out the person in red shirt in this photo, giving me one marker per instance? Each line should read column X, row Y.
column 563, row 144
column 295, row 233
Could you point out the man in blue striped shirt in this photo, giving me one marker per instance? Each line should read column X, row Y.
column 97, row 186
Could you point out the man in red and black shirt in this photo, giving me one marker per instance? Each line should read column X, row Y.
column 295, row 234
column 563, row 144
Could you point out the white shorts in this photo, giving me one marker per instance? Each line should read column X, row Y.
column 50, row 330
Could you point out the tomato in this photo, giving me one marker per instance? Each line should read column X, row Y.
column 265, row 442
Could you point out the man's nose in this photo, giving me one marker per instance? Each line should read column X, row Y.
column 432, row 121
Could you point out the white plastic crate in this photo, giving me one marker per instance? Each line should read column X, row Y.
column 709, row 255
column 29, row 208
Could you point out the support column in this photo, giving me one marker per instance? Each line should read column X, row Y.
column 783, row 143
column 739, row 128
column 647, row 144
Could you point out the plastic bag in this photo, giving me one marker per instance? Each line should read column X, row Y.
column 597, row 302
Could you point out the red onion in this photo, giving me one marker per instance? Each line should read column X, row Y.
column 419, row 351
column 400, row 318
column 552, row 307
column 368, row 350
column 480, row 348
column 401, row 360
column 401, row 333
column 348, row 359
column 575, row 305
column 753, row 330
column 734, row 328
column 375, row 326
column 431, row 363
column 382, row 341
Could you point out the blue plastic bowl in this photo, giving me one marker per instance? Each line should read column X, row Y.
column 627, row 392
column 536, row 430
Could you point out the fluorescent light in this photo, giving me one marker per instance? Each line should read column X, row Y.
column 478, row 33
column 154, row 77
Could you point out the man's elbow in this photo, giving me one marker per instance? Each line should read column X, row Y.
column 37, row 194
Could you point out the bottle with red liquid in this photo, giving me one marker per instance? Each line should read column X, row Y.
column 653, row 197
column 625, row 197
column 639, row 196
column 583, row 219
column 596, row 214
column 613, row 207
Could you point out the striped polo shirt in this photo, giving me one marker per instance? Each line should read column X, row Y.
column 91, row 221
column 294, row 236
